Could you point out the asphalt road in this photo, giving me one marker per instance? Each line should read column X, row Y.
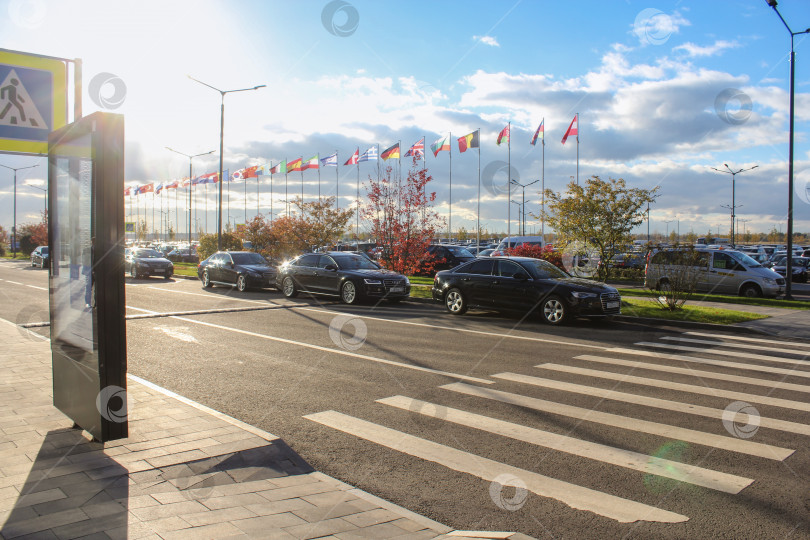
column 491, row 422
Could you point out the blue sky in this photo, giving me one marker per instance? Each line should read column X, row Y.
column 650, row 80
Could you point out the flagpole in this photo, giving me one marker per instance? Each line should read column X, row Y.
column 577, row 148
column 357, row 201
column 318, row 159
column 543, row 186
column 399, row 173
column 478, row 216
column 337, row 181
column 509, row 184
column 450, row 195
column 271, row 194
column 286, row 190
column 257, row 194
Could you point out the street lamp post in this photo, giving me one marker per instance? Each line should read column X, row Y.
column 14, row 228
column 523, row 227
column 189, row 184
column 45, row 190
column 666, row 236
column 733, row 193
column 221, row 141
column 789, row 266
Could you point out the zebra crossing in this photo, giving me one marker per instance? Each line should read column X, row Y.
column 692, row 354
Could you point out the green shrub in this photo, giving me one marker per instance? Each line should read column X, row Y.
column 208, row 244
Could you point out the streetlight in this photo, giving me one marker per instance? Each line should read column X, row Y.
column 221, row 140
column 733, row 193
column 189, row 183
column 45, row 190
column 14, row 228
column 666, row 237
column 789, row 268
column 519, row 218
column 524, row 201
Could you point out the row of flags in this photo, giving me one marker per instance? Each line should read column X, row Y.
column 442, row 144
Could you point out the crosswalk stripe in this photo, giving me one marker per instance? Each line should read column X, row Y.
column 750, row 367
column 578, row 497
column 683, row 472
column 744, row 338
column 721, row 352
column 676, row 406
column 682, row 387
column 624, row 422
column 696, row 373
column 681, row 339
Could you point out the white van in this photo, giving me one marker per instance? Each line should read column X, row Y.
column 515, row 241
column 720, row 271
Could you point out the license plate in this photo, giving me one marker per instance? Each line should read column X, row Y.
column 158, row 270
column 612, row 305
column 397, row 289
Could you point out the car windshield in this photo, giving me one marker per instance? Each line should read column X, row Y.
column 459, row 251
column 354, row 262
column 44, row 251
column 800, row 261
column 544, row 270
column 147, row 254
column 249, row 258
column 744, row 259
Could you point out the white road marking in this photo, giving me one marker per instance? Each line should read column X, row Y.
column 735, row 345
column 624, row 422
column 744, row 338
column 658, row 403
column 683, row 472
column 682, row 387
column 578, row 497
column 14, row 282
column 329, row 350
column 39, row 288
column 736, row 365
column 696, row 373
column 735, row 354
column 177, row 333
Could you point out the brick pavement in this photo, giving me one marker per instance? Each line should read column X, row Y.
column 186, row 471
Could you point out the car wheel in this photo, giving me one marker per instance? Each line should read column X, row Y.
column 348, row 292
column 751, row 291
column 241, row 283
column 455, row 302
column 288, row 287
column 206, row 280
column 167, row 277
column 554, row 310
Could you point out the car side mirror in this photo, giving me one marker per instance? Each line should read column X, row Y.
column 330, row 267
column 232, row 265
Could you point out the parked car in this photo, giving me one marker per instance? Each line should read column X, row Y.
column 39, row 257
column 240, row 269
column 486, row 252
column 523, row 284
column 719, row 271
column 183, row 255
column 345, row 275
column 627, row 260
column 444, row 257
column 146, row 262
column 515, row 241
column 800, row 268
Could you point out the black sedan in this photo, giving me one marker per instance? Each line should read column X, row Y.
column 145, row 262
column 348, row 276
column 183, row 255
column 801, row 267
column 522, row 284
column 242, row 269
column 39, row 257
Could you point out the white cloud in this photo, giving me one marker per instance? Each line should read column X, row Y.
column 692, row 50
column 487, row 40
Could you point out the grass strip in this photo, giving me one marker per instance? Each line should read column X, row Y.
column 643, row 307
column 741, row 300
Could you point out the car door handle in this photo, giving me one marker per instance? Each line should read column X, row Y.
column 496, row 282
column 465, row 279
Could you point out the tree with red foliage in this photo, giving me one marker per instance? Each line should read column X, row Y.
column 537, row 252
column 32, row 235
column 403, row 222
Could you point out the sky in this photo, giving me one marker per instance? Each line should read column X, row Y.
column 664, row 90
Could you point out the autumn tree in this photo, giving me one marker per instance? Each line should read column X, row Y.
column 208, row 244
column 3, row 240
column 402, row 218
column 32, row 235
column 600, row 213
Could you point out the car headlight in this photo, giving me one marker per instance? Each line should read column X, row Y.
column 407, row 281
column 769, row 281
column 372, row 282
column 581, row 294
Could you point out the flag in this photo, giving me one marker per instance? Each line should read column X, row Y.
column 128, row 192
column 148, row 188
column 369, row 155
column 572, row 130
column 248, row 172
column 503, row 136
column 263, row 170
column 392, row 152
column 311, row 163
column 295, row 165
column 173, row 184
column 185, row 182
column 468, row 141
column 418, row 149
column 210, row 178
column 439, row 145
column 354, row 159
column 158, row 188
column 540, row 133
column 280, row 166
column 329, row 161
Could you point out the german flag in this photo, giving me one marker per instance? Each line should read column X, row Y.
column 295, row 165
column 468, row 141
column 392, row 152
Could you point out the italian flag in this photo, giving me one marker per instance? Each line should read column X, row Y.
column 280, row 166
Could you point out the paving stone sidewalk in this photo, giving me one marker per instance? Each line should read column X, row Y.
column 186, row 471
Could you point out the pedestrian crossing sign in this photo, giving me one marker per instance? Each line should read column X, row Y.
column 33, row 101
